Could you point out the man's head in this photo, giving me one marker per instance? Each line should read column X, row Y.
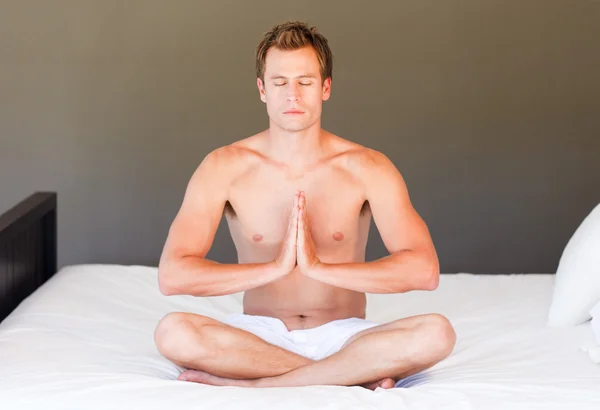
column 294, row 68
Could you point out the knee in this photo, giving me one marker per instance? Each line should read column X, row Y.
column 440, row 335
column 169, row 332
column 176, row 337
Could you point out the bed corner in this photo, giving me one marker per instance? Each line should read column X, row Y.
column 28, row 245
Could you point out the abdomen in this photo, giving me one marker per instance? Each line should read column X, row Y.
column 303, row 302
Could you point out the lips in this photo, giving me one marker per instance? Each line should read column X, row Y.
column 294, row 112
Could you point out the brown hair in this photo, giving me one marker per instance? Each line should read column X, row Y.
column 292, row 35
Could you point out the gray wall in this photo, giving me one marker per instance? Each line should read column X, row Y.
column 488, row 108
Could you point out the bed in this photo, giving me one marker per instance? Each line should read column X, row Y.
column 81, row 337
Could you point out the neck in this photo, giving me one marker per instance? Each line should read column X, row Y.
column 298, row 149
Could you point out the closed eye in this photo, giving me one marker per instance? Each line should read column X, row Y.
column 280, row 85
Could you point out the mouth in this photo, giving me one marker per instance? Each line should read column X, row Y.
column 294, row 112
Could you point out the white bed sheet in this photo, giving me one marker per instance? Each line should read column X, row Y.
column 85, row 341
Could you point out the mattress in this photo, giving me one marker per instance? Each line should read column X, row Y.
column 84, row 340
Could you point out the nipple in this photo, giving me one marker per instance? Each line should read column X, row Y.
column 338, row 236
column 257, row 238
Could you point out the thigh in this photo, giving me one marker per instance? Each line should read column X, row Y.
column 190, row 329
column 405, row 323
column 177, row 334
column 234, row 321
column 178, row 320
column 267, row 328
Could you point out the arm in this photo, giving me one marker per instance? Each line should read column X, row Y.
column 412, row 263
column 183, row 268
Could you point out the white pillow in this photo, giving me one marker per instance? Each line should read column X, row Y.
column 595, row 314
column 577, row 286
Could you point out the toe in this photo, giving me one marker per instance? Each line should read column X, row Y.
column 192, row 376
column 387, row 383
column 371, row 386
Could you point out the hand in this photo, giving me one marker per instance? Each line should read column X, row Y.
column 286, row 260
column 306, row 253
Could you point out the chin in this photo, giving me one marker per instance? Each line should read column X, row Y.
column 293, row 127
column 296, row 128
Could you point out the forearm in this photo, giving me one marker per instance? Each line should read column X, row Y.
column 201, row 277
column 397, row 273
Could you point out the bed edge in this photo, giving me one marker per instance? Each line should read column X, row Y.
column 28, row 248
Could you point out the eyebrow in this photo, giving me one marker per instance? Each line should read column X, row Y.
column 277, row 77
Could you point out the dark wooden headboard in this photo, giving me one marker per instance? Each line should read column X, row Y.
column 27, row 248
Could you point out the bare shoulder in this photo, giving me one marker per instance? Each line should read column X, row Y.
column 229, row 156
column 367, row 164
column 369, row 160
column 226, row 163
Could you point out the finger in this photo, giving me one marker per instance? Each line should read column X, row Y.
column 300, row 225
column 297, row 202
column 302, row 202
column 296, row 212
column 297, row 205
column 293, row 221
column 300, row 218
column 305, row 224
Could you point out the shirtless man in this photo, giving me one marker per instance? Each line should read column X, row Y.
column 298, row 202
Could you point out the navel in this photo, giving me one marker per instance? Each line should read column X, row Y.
column 338, row 236
column 257, row 238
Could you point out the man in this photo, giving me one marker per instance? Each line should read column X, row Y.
column 298, row 201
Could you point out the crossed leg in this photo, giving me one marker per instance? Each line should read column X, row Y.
column 198, row 342
column 224, row 355
column 214, row 351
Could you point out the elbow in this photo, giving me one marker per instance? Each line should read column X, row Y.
column 165, row 287
column 167, row 291
column 172, row 281
column 432, row 275
column 165, row 282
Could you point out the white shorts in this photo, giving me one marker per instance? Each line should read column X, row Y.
column 315, row 343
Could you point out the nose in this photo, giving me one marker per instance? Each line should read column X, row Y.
column 293, row 92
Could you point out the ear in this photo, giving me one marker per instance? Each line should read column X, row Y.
column 261, row 90
column 326, row 88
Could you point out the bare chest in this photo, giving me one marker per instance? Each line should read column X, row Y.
column 259, row 210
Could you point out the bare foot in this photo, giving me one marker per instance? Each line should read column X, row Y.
column 386, row 383
column 198, row 376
